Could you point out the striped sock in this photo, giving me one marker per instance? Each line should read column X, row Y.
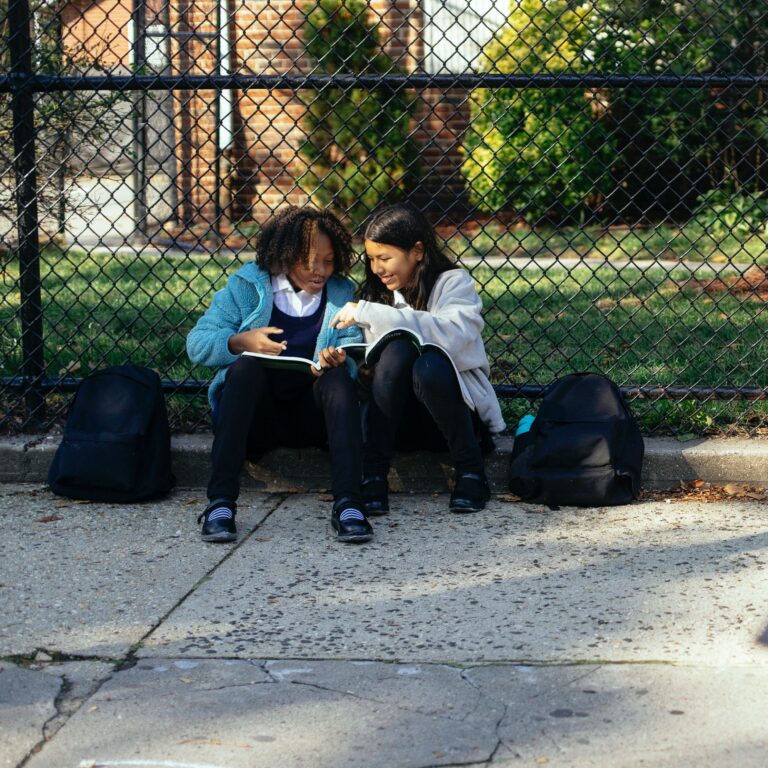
column 351, row 514
column 220, row 513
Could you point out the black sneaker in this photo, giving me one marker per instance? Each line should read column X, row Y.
column 219, row 523
column 375, row 498
column 349, row 522
column 470, row 493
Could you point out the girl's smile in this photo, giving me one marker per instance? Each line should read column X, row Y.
column 392, row 265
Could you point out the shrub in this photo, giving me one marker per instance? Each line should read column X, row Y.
column 741, row 215
column 538, row 151
column 630, row 152
column 358, row 150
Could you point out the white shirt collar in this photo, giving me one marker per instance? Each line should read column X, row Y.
column 398, row 300
column 295, row 303
column 282, row 283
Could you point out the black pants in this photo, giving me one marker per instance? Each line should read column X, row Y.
column 415, row 402
column 261, row 409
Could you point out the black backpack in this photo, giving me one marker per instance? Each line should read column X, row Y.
column 584, row 447
column 117, row 443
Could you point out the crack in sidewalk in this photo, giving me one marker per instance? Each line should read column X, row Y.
column 281, row 497
column 504, row 710
column 358, row 697
column 130, row 660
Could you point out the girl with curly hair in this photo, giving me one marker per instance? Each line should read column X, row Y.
column 282, row 304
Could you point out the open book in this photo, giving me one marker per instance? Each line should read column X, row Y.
column 358, row 351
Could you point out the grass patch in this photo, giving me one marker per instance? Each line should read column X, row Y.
column 638, row 326
column 663, row 242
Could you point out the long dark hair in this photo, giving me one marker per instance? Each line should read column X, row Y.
column 403, row 226
column 288, row 237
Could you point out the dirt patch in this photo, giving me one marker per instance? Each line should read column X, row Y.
column 754, row 282
column 451, row 226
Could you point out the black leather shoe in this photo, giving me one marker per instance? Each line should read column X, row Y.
column 349, row 522
column 375, row 498
column 217, row 527
column 470, row 493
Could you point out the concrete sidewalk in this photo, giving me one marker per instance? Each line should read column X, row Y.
column 627, row 636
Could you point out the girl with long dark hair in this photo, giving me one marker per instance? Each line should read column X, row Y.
column 429, row 397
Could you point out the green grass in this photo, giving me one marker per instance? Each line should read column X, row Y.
column 661, row 242
column 638, row 326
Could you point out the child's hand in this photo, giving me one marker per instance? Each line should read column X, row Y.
column 330, row 357
column 257, row 340
column 345, row 316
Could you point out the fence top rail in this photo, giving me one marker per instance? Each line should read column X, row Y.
column 48, row 83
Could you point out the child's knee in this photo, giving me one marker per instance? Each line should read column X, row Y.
column 336, row 383
column 397, row 354
column 432, row 372
column 245, row 374
column 244, row 370
column 393, row 370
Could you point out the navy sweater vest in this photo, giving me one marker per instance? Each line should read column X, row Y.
column 300, row 332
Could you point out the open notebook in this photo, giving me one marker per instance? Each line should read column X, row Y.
column 358, row 351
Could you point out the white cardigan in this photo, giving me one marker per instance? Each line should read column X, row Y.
column 453, row 320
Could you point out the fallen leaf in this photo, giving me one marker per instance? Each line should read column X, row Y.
column 186, row 679
column 48, row 519
column 709, row 493
column 541, row 760
column 696, row 484
column 507, row 497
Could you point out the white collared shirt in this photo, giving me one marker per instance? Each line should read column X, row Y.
column 294, row 303
column 398, row 300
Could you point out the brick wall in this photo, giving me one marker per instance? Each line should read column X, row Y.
column 98, row 29
column 261, row 168
column 267, row 128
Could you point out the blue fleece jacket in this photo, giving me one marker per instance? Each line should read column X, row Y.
column 246, row 303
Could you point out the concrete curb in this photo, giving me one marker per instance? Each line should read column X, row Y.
column 25, row 459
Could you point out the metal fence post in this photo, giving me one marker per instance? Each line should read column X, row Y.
column 139, row 120
column 22, row 108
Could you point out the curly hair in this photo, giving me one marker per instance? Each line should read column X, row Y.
column 289, row 237
column 403, row 225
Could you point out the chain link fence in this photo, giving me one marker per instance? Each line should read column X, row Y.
column 600, row 167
